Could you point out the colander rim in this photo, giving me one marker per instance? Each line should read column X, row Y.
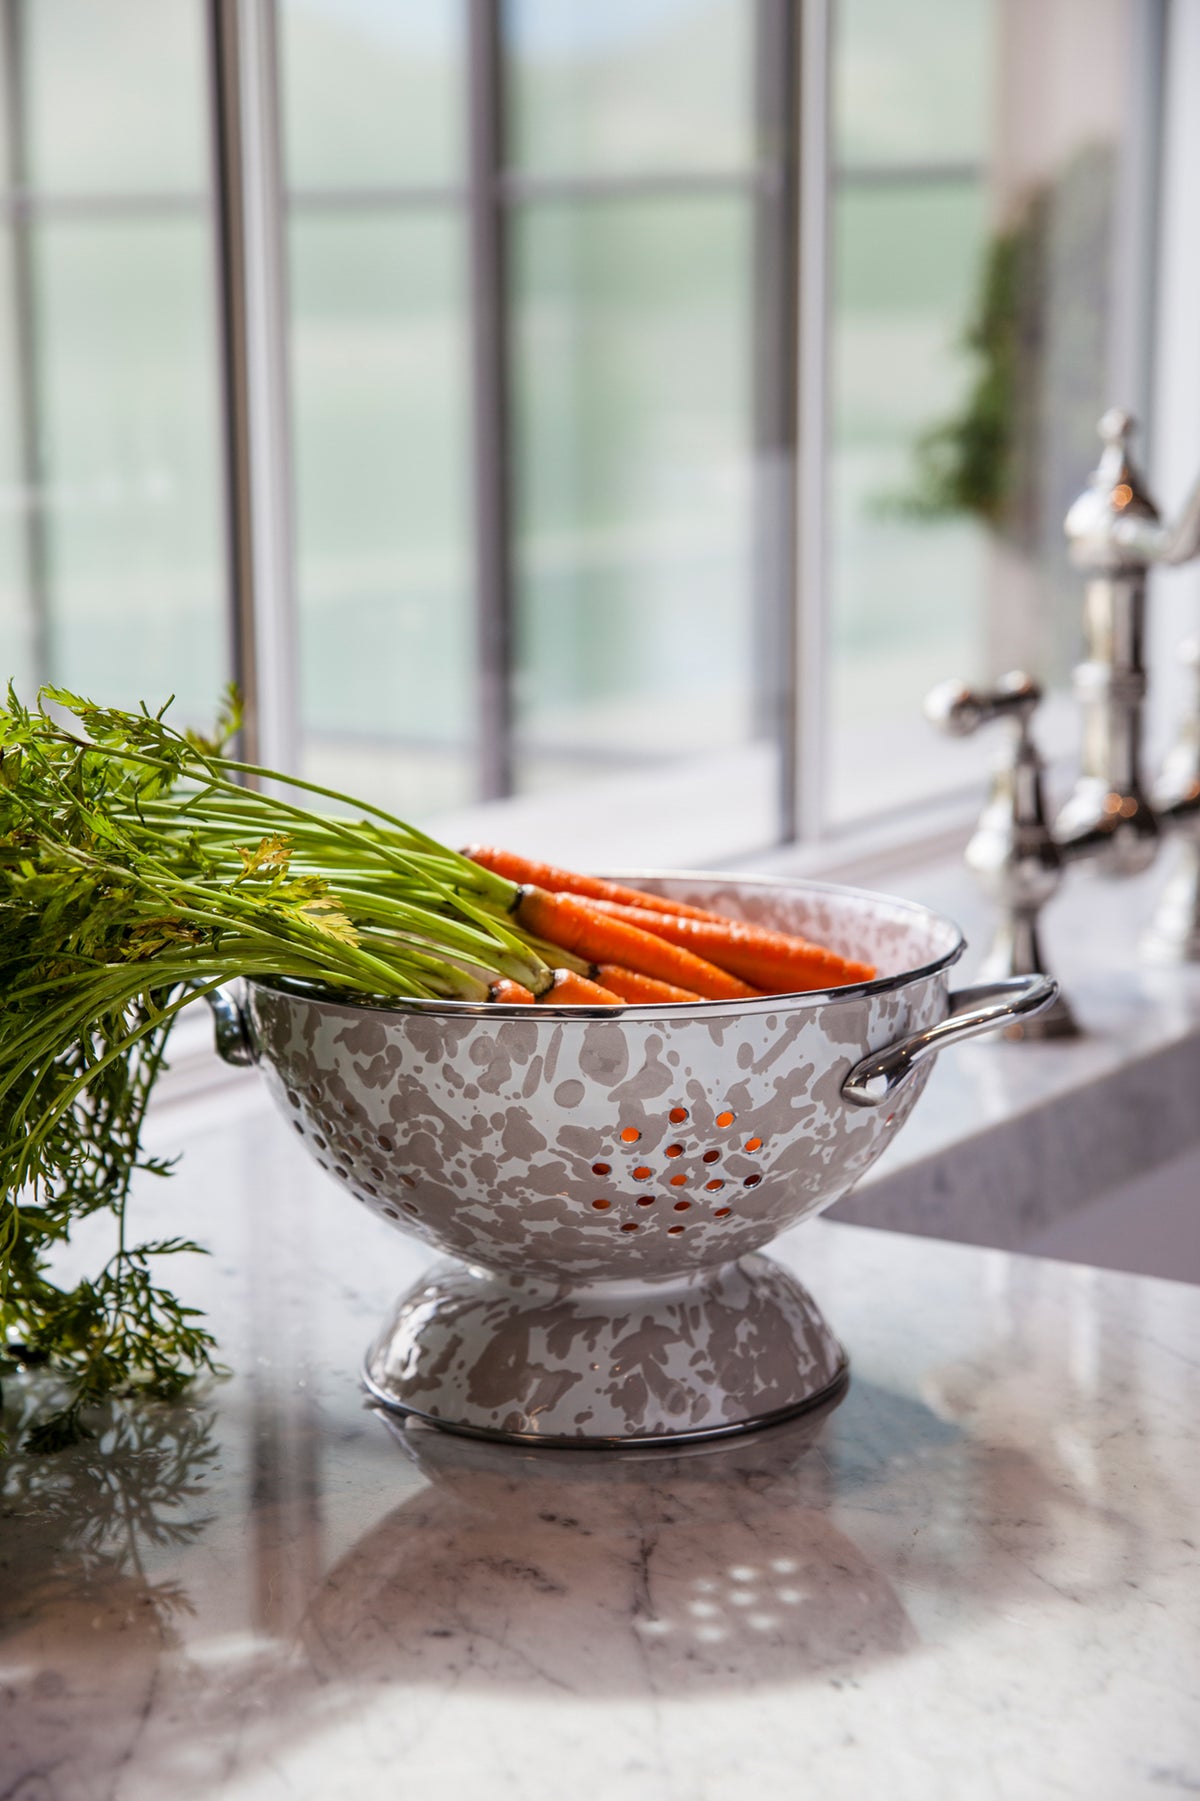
column 681, row 1010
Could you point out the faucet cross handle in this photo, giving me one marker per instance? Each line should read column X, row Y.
column 1012, row 853
column 959, row 711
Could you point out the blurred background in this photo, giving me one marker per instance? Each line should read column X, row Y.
column 628, row 409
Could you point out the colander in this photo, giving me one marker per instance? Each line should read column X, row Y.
column 604, row 1181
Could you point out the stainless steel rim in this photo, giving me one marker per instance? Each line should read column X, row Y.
column 832, row 1391
column 785, row 1003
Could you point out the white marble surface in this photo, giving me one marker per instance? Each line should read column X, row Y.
column 978, row 1577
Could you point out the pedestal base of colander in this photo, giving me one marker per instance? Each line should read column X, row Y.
column 611, row 1363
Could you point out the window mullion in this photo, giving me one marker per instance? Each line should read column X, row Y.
column 486, row 221
column 254, row 336
column 810, row 666
column 37, row 573
column 774, row 394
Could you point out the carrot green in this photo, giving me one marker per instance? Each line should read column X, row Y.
column 140, row 867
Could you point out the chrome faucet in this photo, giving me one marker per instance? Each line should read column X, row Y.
column 1109, row 819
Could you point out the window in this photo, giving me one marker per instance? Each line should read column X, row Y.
column 629, row 410
column 111, row 559
column 530, row 428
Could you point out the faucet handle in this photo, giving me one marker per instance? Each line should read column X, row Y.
column 958, row 710
column 1012, row 852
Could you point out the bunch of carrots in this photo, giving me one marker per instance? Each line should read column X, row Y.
column 612, row 946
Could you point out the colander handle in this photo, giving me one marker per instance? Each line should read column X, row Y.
column 230, row 1032
column 973, row 1011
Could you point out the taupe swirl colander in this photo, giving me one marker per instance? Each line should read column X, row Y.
column 604, row 1179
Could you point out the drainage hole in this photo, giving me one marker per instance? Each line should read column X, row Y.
column 601, row 1169
column 725, row 1119
column 679, row 1180
column 677, row 1115
column 630, row 1226
column 601, row 1206
column 712, row 1156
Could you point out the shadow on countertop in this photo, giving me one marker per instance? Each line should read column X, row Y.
column 752, row 1564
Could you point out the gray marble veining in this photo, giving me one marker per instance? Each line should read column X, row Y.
column 977, row 1577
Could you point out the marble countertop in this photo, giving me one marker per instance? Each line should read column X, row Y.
column 977, row 1577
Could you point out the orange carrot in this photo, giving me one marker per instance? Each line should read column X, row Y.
column 510, row 993
column 579, row 926
column 775, row 962
column 572, row 990
column 524, row 870
column 640, row 989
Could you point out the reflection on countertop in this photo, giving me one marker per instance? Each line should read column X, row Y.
column 978, row 1575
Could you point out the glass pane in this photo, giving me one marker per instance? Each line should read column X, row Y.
column 630, row 85
column 903, row 603
column 911, row 80
column 116, row 94
column 380, row 360
column 131, row 461
column 977, row 318
column 373, row 91
column 636, row 612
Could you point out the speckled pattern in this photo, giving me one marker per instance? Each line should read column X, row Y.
column 589, row 1148
column 638, row 1360
column 576, row 1148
